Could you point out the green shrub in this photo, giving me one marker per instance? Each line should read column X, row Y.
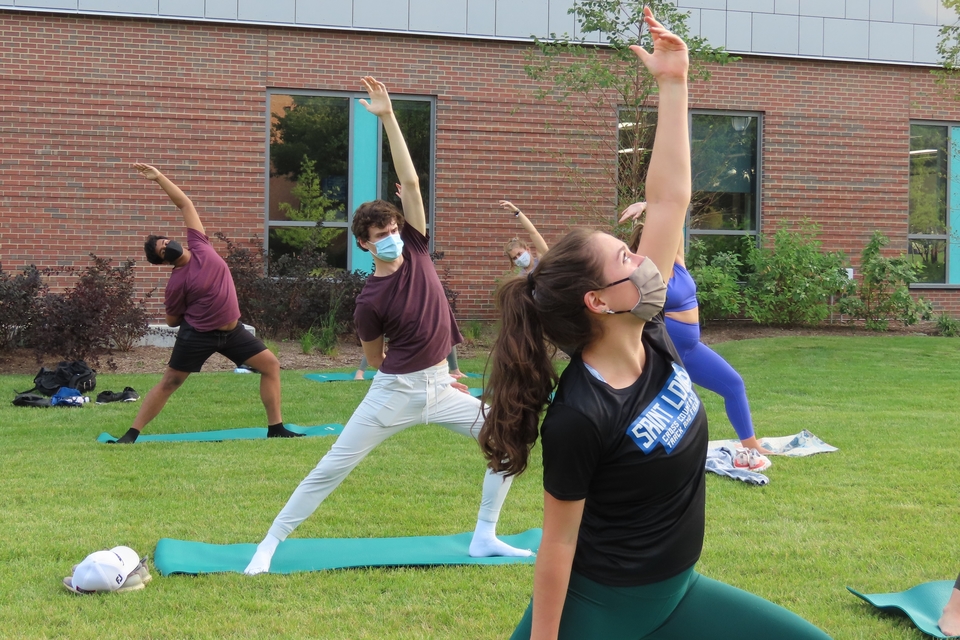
column 948, row 326
column 20, row 297
column 883, row 292
column 791, row 283
column 718, row 282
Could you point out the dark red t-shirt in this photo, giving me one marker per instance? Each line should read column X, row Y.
column 410, row 308
column 202, row 291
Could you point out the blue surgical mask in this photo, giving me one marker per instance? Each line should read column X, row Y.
column 389, row 248
column 522, row 260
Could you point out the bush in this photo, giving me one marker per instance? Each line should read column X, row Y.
column 97, row 315
column 792, row 282
column 19, row 305
column 948, row 326
column 301, row 292
column 718, row 283
column 883, row 293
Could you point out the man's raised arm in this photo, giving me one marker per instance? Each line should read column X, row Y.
column 381, row 107
column 190, row 217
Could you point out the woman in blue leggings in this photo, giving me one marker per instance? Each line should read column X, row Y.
column 705, row 366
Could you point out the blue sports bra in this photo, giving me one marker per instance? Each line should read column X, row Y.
column 681, row 291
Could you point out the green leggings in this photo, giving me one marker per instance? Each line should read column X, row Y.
column 685, row 607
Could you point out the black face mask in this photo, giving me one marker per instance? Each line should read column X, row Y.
column 173, row 252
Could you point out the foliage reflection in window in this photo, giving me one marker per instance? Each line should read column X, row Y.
column 929, row 171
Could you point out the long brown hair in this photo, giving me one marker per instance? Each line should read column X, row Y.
column 544, row 306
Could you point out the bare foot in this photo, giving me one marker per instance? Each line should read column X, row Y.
column 950, row 620
column 358, row 375
column 456, row 374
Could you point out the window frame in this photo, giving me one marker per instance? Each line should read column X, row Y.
column 951, row 145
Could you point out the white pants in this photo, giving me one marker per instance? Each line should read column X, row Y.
column 393, row 403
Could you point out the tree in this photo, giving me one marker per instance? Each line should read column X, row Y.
column 605, row 87
column 315, row 206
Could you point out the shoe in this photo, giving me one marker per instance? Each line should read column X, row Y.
column 751, row 459
column 108, row 396
column 282, row 432
column 129, row 395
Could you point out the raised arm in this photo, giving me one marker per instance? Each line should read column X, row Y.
column 381, row 107
column 190, row 218
column 535, row 236
column 668, row 184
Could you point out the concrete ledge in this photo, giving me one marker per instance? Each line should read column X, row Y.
column 160, row 335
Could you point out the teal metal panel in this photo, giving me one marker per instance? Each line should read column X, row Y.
column 365, row 154
column 953, row 214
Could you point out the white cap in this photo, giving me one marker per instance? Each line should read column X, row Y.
column 103, row 570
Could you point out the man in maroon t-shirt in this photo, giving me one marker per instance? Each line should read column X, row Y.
column 200, row 299
column 403, row 299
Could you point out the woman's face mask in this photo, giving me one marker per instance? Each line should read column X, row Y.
column 522, row 260
column 389, row 248
column 653, row 292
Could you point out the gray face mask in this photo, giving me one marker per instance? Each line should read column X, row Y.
column 653, row 292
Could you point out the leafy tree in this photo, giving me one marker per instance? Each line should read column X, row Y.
column 606, row 89
column 315, row 206
column 317, row 127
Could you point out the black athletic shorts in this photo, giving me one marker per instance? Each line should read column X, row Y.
column 193, row 347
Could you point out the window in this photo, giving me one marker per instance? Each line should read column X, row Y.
column 327, row 155
column 930, row 170
column 725, row 150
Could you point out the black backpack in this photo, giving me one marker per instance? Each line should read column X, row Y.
column 73, row 375
column 30, row 400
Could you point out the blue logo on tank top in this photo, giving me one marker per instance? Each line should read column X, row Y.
column 667, row 418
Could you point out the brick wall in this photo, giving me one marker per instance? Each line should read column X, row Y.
column 85, row 97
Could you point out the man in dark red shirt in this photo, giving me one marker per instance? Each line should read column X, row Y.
column 403, row 299
column 201, row 299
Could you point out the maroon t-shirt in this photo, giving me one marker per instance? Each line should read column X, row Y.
column 410, row 308
column 202, row 291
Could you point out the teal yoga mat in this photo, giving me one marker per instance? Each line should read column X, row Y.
column 923, row 604
column 294, row 555
column 250, row 433
column 334, row 376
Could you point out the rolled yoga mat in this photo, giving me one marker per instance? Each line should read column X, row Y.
column 321, row 554
column 923, row 604
column 250, row 433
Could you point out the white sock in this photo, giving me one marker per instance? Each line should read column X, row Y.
column 485, row 543
column 260, row 563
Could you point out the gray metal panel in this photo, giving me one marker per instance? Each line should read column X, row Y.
column 846, row 38
column 222, row 9
column 915, row 11
column 704, row 4
column 482, row 17
column 438, row 16
column 274, row 11
column 811, row 36
column 334, row 13
column 186, row 8
column 521, row 19
column 764, row 6
column 693, row 22
column 789, row 7
column 858, row 9
column 739, row 31
column 822, row 8
column 776, row 34
column 558, row 20
column 890, row 41
column 44, row 4
column 925, row 44
column 376, row 14
column 881, row 10
column 713, row 27
column 6, row 2
column 946, row 15
column 147, row 7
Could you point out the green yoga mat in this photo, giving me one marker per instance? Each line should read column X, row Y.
column 923, row 604
column 250, row 433
column 294, row 555
column 334, row 376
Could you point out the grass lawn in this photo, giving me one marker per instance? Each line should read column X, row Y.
column 879, row 515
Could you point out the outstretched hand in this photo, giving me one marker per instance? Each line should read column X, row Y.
column 148, row 172
column 633, row 212
column 508, row 206
column 379, row 104
column 670, row 59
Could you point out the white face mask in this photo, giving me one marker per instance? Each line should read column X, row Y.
column 653, row 292
column 522, row 260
